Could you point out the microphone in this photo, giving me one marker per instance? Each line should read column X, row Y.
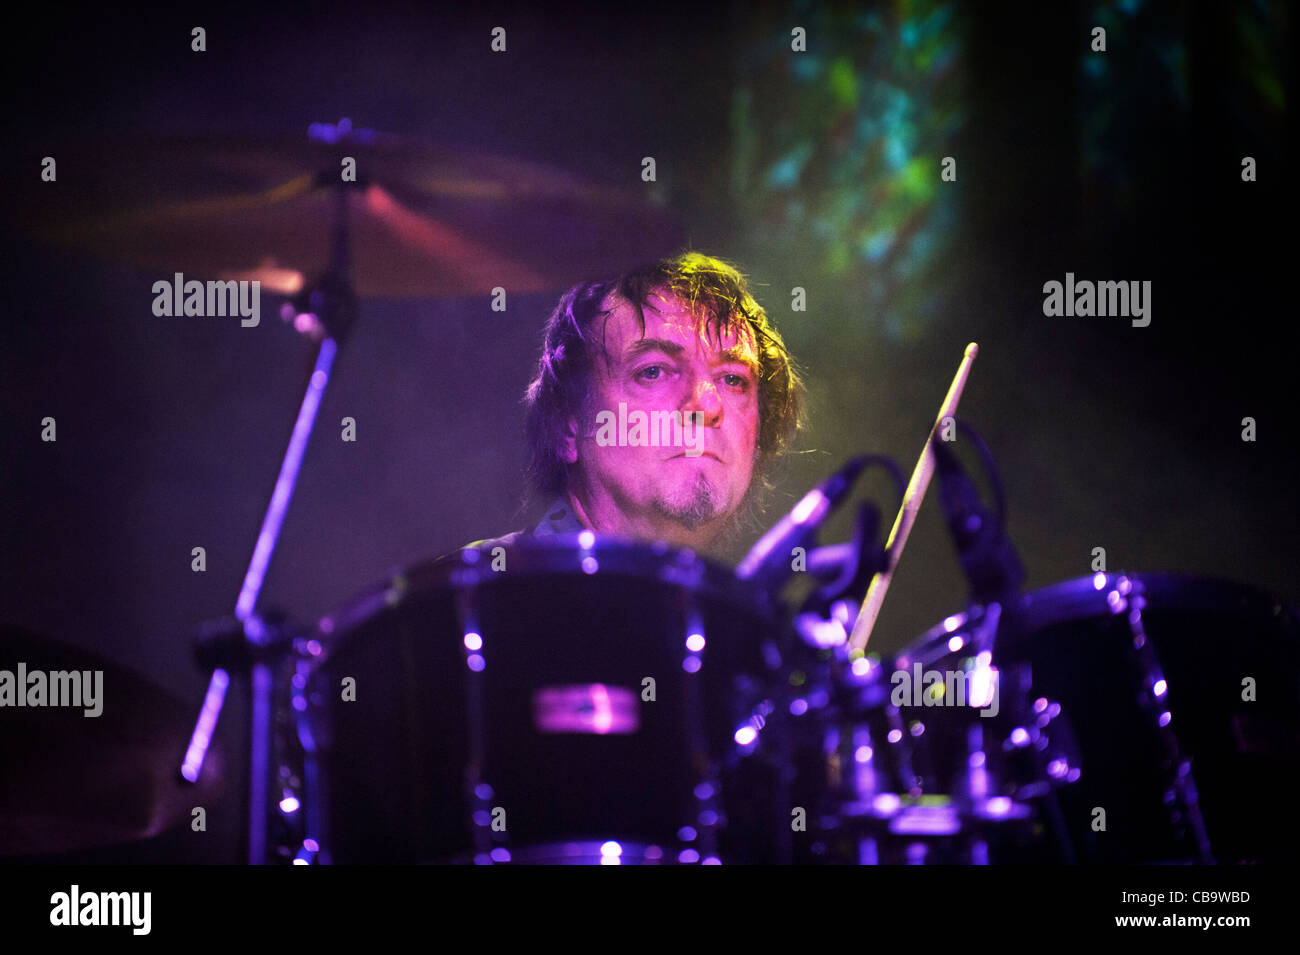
column 768, row 561
column 987, row 556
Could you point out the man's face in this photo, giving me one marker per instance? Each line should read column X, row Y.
column 684, row 494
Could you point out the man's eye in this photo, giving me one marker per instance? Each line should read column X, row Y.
column 737, row 381
column 650, row 373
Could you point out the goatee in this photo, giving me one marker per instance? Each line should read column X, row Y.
column 699, row 507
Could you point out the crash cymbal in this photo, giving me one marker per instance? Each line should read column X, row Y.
column 71, row 781
column 424, row 220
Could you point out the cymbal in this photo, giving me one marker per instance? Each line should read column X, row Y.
column 424, row 220
column 69, row 781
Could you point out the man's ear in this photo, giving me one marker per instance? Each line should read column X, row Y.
column 569, row 446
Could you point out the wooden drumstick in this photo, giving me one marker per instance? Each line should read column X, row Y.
column 912, row 499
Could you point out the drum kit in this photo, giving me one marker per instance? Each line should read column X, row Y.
column 582, row 699
column 608, row 702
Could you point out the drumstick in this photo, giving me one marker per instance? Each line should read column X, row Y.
column 912, row 499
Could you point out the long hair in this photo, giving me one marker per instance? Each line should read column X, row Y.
column 718, row 295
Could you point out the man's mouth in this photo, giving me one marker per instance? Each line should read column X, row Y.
column 704, row 454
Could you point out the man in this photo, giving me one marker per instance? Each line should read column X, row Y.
column 662, row 401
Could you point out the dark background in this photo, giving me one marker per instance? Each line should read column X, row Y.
column 170, row 430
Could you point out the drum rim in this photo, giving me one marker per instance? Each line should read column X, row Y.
column 532, row 557
column 1084, row 598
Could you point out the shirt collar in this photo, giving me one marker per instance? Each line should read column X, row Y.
column 559, row 519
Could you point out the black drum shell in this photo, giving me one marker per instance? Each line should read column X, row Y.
column 393, row 786
column 1207, row 635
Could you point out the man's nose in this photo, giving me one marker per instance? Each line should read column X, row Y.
column 703, row 400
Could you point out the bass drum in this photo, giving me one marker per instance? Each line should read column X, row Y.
column 566, row 700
